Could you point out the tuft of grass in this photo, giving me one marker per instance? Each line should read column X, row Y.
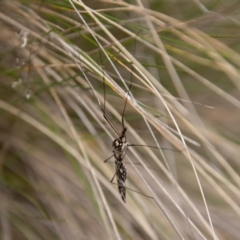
column 184, row 100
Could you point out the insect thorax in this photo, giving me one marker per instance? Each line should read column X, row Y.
column 120, row 146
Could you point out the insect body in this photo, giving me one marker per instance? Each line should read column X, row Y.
column 120, row 147
column 119, row 150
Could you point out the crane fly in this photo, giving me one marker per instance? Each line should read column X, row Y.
column 120, row 144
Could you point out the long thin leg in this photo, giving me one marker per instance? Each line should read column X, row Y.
column 142, row 145
column 109, row 122
column 104, row 101
column 113, row 177
column 134, row 191
column 115, row 173
column 137, row 192
column 129, row 88
column 108, row 158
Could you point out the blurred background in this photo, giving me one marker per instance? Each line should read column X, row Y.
column 174, row 64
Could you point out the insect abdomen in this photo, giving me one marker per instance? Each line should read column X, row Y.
column 121, row 173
